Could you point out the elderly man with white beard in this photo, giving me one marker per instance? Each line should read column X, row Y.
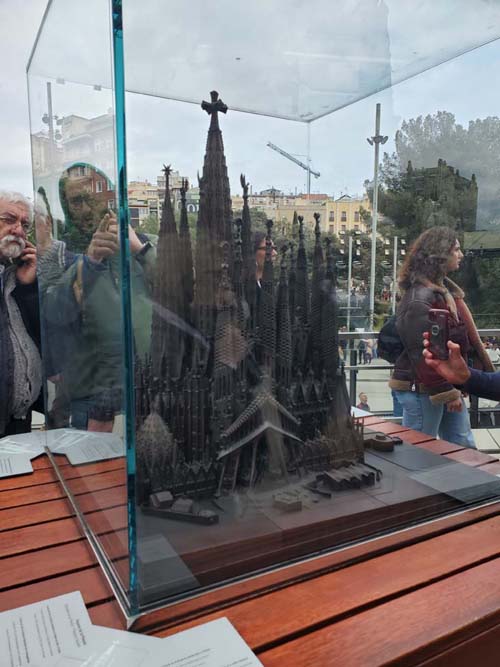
column 20, row 363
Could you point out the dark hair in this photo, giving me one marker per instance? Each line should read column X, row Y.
column 428, row 257
column 258, row 237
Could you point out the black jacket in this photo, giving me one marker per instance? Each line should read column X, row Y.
column 412, row 319
column 26, row 298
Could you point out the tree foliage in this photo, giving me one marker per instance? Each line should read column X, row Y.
column 474, row 149
column 150, row 224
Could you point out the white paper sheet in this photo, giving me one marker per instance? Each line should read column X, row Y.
column 85, row 446
column 22, row 444
column 357, row 412
column 58, row 633
column 14, row 464
column 79, row 446
column 95, row 450
column 214, row 644
column 44, row 632
column 114, row 648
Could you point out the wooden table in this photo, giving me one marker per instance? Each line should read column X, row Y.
column 429, row 595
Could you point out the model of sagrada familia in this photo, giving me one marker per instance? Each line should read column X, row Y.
column 243, row 387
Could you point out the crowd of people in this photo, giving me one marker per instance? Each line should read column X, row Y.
column 81, row 318
column 81, row 323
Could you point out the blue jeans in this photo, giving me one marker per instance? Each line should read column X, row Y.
column 421, row 415
column 397, row 408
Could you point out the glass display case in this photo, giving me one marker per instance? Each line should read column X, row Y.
column 206, row 223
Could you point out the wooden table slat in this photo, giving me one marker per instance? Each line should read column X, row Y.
column 361, row 585
column 441, row 447
column 406, row 630
column 471, row 457
column 91, row 484
column 91, row 582
column 425, row 596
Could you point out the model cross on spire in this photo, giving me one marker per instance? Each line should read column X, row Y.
column 213, row 107
column 167, row 170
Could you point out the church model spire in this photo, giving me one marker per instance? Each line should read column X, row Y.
column 167, row 338
column 302, row 281
column 329, row 323
column 284, row 330
column 214, row 225
column 185, row 250
column 266, row 307
column 248, row 254
column 317, row 293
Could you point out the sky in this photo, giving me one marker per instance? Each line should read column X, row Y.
column 164, row 131
column 19, row 23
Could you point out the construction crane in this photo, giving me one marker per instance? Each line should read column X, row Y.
column 307, row 167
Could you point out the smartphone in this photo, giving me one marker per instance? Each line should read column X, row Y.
column 438, row 332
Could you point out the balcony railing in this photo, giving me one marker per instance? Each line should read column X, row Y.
column 484, row 417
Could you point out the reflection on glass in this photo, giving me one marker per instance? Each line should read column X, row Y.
column 246, row 455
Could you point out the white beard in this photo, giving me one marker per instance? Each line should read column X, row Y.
column 11, row 246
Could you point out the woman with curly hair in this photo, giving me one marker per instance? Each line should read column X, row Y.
column 430, row 403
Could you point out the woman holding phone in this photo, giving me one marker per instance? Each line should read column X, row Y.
column 430, row 403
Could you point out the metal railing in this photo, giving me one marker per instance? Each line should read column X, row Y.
column 479, row 417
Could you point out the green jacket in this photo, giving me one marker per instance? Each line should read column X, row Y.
column 84, row 313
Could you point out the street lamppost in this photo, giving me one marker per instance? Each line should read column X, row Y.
column 376, row 140
column 350, row 264
column 386, row 264
column 48, row 118
column 395, row 269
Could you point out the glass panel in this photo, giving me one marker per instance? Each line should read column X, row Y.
column 314, row 62
column 234, row 476
column 73, row 148
column 251, row 246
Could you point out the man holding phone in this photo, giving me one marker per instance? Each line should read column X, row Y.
column 82, row 307
column 20, row 363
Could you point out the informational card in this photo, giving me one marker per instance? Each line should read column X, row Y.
column 79, row 446
column 14, row 464
column 213, row 644
column 85, row 446
column 30, row 444
column 357, row 412
column 58, row 633
column 95, row 450
column 113, row 648
column 44, row 632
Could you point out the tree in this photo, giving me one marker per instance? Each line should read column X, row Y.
column 416, row 194
column 416, row 199
column 471, row 150
column 150, row 225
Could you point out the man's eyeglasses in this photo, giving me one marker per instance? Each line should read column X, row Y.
column 13, row 220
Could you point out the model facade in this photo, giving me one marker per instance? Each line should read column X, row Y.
column 243, row 387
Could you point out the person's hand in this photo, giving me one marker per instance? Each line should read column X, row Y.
column 135, row 243
column 454, row 369
column 43, row 232
column 104, row 243
column 455, row 406
column 26, row 271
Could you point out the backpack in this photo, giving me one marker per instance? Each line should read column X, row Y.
column 390, row 345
